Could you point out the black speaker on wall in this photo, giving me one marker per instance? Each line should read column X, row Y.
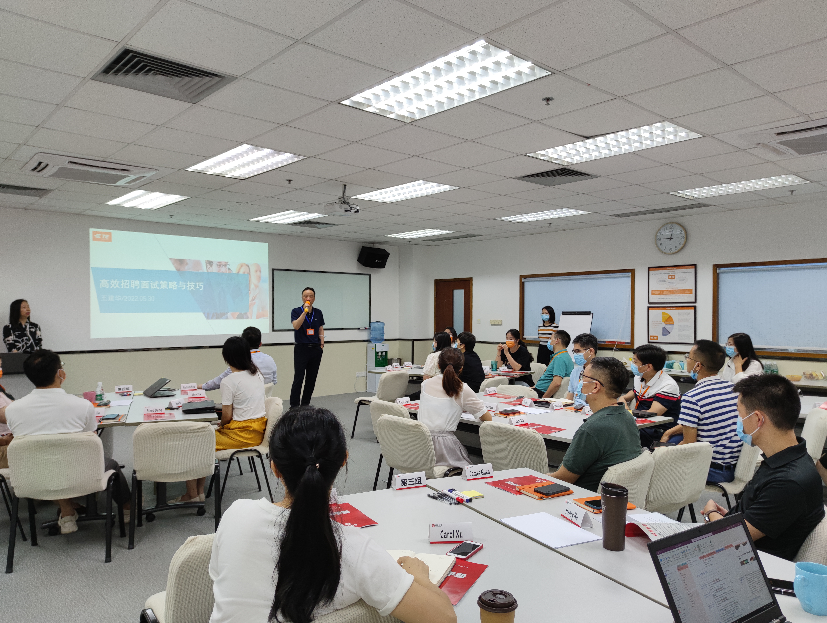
column 371, row 257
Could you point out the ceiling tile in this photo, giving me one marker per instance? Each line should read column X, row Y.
column 34, row 83
column 19, row 110
column 280, row 177
column 753, row 172
column 391, row 35
column 810, row 99
column 529, row 138
column 466, row 195
column 720, row 163
column 43, row 45
column 677, row 14
column 516, row 166
column 195, row 35
column 526, row 100
column 345, row 123
column 376, row 179
column 313, row 71
column 325, row 169
column 465, row 178
column 667, row 186
column 334, row 188
column 138, row 154
column 220, row 124
column 577, row 31
column 295, row 141
column 594, row 185
column 257, row 189
column 363, row 156
column 413, row 140
column 95, row 124
column 197, row 179
column 186, row 142
column 419, row 168
column 6, row 149
column 790, row 68
column 652, row 174
column 471, row 121
column 759, row 29
column 261, row 101
column 494, row 201
column 617, row 164
column 468, row 154
column 14, row 132
column 627, row 192
column 74, row 144
column 125, row 103
column 543, row 194
column 485, row 15
column 688, row 150
column 753, row 112
column 611, row 116
column 505, row 187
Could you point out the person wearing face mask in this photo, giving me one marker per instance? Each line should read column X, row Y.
column 583, row 350
column 472, row 373
column 609, row 436
column 743, row 361
column 654, row 390
column 709, row 412
column 544, row 352
column 515, row 355
column 431, row 367
column 783, row 502
column 558, row 368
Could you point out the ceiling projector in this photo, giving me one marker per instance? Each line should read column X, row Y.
column 343, row 203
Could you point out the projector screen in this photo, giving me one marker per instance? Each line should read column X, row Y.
column 152, row 285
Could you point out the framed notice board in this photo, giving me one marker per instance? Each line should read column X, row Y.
column 671, row 325
column 673, row 284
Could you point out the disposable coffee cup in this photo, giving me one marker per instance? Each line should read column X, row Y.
column 497, row 606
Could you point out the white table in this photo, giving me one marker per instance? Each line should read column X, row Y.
column 415, row 371
column 542, row 581
column 135, row 411
column 632, row 567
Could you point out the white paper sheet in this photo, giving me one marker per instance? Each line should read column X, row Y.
column 120, row 403
column 468, row 416
column 550, row 530
column 533, row 410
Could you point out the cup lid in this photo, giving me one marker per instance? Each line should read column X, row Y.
column 613, row 490
column 496, row 600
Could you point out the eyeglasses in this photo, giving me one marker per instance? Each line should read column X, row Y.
column 591, row 379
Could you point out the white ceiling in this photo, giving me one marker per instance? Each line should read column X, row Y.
column 721, row 68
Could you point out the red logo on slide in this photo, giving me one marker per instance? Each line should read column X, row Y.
column 102, row 236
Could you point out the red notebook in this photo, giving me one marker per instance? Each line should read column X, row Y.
column 348, row 515
column 511, row 484
column 540, row 428
column 644, row 421
column 461, row 578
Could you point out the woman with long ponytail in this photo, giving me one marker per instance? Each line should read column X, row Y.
column 444, row 398
column 290, row 562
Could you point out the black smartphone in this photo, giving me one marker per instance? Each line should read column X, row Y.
column 595, row 504
column 782, row 587
column 553, row 489
column 110, row 416
column 644, row 414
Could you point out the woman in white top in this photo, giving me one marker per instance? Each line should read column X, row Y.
column 742, row 360
column 289, row 561
column 444, row 399
column 243, row 417
column 442, row 340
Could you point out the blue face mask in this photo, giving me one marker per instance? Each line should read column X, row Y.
column 433, row 348
column 545, row 317
column 739, row 430
column 635, row 371
column 549, row 346
column 455, row 345
column 579, row 359
column 730, row 351
column 693, row 375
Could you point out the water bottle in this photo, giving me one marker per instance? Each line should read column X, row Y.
column 99, row 392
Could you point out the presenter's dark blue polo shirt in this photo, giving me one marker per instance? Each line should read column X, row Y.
column 308, row 333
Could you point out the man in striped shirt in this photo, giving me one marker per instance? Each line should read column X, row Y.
column 709, row 411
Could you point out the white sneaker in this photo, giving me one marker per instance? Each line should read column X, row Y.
column 68, row 524
column 180, row 500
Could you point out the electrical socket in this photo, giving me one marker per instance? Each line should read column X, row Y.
column 361, row 375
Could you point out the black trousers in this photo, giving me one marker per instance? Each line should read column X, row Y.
column 306, row 361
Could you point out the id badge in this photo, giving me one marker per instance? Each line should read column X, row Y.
column 311, row 332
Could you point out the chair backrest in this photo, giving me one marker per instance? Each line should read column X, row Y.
column 189, row 586
column 815, row 432
column 679, row 476
column 814, row 548
column 273, row 408
column 517, row 390
column 359, row 612
column 497, row 381
column 406, row 444
column 537, row 370
column 173, row 451
column 378, row 408
column 635, row 475
column 509, row 447
column 564, row 387
column 268, row 390
column 56, row 467
column 392, row 385
column 748, row 463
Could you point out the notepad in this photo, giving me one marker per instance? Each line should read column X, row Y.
column 550, row 530
column 439, row 565
column 654, row 525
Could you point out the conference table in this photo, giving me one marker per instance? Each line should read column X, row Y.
column 632, row 568
column 133, row 413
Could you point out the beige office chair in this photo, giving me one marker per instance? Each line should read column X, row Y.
column 745, row 469
column 60, row 467
column 509, row 447
column 814, row 548
column 516, row 390
column 407, row 447
column 378, row 408
column 359, row 612
column 635, row 475
column 269, row 388
column 815, row 432
column 537, row 370
column 496, row 382
column 679, row 477
column 6, row 492
column 564, row 387
column 392, row 385
column 273, row 409
column 170, row 452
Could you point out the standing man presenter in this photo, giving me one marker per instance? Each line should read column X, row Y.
column 308, row 331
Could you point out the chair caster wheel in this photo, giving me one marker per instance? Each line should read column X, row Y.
column 53, row 530
column 201, row 511
column 150, row 517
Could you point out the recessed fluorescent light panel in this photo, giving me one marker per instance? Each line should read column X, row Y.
column 411, row 190
column 145, row 200
column 287, row 217
column 740, row 187
column 617, row 143
column 421, row 233
column 245, row 161
column 542, row 216
column 469, row 74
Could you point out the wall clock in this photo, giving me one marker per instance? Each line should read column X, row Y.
column 670, row 238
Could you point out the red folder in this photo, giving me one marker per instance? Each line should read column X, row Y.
column 511, row 484
column 540, row 428
column 348, row 515
column 461, row 578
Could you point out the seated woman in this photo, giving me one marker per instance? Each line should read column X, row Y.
column 444, row 399
column 21, row 335
column 289, row 561
column 453, row 333
column 243, row 417
column 743, row 361
column 441, row 340
column 515, row 355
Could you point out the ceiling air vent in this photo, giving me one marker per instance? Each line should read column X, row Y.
column 555, row 177
column 86, row 170
column 446, row 238
column 690, row 206
column 159, row 76
column 311, row 225
column 25, row 191
column 799, row 139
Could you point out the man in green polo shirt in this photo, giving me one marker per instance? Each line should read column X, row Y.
column 609, row 436
column 558, row 368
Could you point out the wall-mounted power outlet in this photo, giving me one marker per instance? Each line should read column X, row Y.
column 496, row 323
column 361, row 374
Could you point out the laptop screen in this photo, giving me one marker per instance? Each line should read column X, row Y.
column 712, row 574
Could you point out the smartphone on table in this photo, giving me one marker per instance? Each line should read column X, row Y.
column 465, row 550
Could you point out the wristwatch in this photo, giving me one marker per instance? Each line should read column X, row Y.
column 706, row 514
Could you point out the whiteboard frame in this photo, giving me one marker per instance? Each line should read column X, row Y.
column 327, row 272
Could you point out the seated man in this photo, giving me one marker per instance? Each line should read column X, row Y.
column 783, row 502
column 654, row 390
column 609, row 436
column 49, row 410
column 583, row 350
column 472, row 373
column 264, row 362
column 709, row 411
column 558, row 368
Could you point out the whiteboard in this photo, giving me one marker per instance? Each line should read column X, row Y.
column 575, row 323
column 344, row 298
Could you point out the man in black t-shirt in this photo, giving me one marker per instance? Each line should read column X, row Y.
column 472, row 373
column 308, row 332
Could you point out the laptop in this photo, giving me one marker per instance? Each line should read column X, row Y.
column 12, row 363
column 157, row 390
column 712, row 574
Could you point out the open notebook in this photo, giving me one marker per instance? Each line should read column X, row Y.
column 439, row 565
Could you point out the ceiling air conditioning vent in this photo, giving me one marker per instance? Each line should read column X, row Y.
column 690, row 206
column 799, row 139
column 26, row 191
column 311, row 225
column 555, row 177
column 85, row 170
column 159, row 76
column 446, row 238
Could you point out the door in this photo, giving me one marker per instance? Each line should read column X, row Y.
column 452, row 304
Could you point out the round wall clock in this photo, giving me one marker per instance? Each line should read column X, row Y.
column 670, row 238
